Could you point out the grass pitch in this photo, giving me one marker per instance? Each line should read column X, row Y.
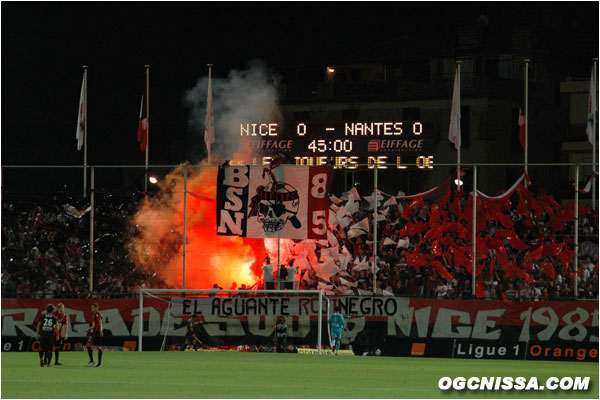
column 268, row 375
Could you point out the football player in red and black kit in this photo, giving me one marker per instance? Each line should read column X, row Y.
column 97, row 333
column 47, row 325
column 63, row 324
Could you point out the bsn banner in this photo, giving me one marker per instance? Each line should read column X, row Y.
column 287, row 200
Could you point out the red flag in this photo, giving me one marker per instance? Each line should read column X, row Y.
column 504, row 220
column 434, row 217
column 548, row 269
column 554, row 203
column 510, row 271
column 479, row 289
column 441, row 270
column 452, row 227
column 544, row 200
column 524, row 275
column 553, row 250
column 436, row 249
column 406, row 213
column 521, row 207
column 142, row 134
column 442, row 201
column 517, row 243
column 481, row 249
column 447, row 241
column 455, row 207
column 535, row 206
column 566, row 259
column 415, row 260
column 522, row 128
column 418, row 202
column 533, row 255
column 557, row 221
column 502, row 257
column 494, row 243
column 478, row 269
column 461, row 259
column 411, row 229
column 434, row 233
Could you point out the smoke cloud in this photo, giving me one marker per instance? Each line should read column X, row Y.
column 246, row 96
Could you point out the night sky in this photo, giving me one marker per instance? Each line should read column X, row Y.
column 44, row 46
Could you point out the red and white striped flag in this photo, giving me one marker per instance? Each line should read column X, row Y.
column 142, row 134
column 81, row 116
column 454, row 131
column 590, row 129
column 588, row 185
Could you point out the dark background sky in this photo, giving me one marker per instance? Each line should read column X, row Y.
column 44, row 46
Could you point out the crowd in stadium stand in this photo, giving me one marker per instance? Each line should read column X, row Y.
column 524, row 249
column 45, row 250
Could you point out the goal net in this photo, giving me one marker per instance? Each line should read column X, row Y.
column 230, row 318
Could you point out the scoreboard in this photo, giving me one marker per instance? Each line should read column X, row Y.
column 382, row 144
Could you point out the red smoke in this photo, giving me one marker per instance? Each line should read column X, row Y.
column 209, row 258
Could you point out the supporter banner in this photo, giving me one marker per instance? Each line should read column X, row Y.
column 371, row 322
column 288, row 200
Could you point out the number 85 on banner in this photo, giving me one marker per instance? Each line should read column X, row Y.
column 318, row 201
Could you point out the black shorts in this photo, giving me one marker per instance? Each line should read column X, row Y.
column 269, row 285
column 58, row 344
column 189, row 338
column 47, row 342
column 95, row 340
column 289, row 285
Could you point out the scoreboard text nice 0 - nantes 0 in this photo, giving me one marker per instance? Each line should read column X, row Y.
column 385, row 144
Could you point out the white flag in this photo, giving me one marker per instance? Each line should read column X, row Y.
column 388, row 242
column 352, row 206
column 81, row 116
column 391, row 202
column 592, row 110
column 336, row 200
column 454, row 131
column 403, row 243
column 363, row 224
column 209, row 122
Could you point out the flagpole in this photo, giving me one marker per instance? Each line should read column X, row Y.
column 576, row 244
column 279, row 178
column 474, row 252
column 458, row 150
column 595, row 125
column 375, row 233
column 92, row 214
column 85, row 87
column 147, row 125
column 526, row 115
column 209, row 144
column 184, row 217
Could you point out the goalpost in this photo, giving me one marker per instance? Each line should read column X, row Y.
column 221, row 293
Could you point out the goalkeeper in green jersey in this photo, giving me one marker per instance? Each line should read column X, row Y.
column 336, row 324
